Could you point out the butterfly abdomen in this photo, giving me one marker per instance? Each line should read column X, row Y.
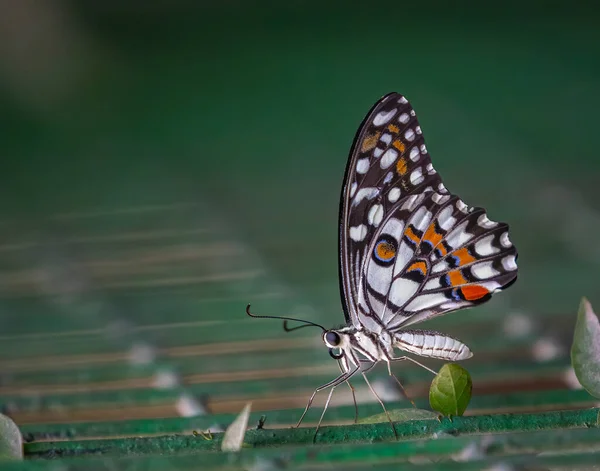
column 427, row 343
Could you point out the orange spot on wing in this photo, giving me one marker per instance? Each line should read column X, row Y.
column 401, row 166
column 369, row 142
column 411, row 235
column 385, row 251
column 456, row 278
column 432, row 236
column 464, row 256
column 474, row 292
column 398, row 144
column 419, row 266
column 442, row 249
column 393, row 128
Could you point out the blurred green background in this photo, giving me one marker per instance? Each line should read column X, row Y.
column 165, row 163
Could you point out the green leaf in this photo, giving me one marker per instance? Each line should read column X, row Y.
column 450, row 390
column 11, row 441
column 585, row 351
column 233, row 438
column 400, row 415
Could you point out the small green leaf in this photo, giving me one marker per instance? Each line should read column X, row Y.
column 400, row 415
column 585, row 351
column 450, row 390
column 233, row 438
column 11, row 441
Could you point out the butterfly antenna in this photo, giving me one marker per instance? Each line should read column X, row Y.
column 308, row 323
column 290, row 329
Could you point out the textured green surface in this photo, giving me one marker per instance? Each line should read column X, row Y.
column 165, row 165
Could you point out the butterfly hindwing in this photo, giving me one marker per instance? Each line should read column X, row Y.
column 409, row 250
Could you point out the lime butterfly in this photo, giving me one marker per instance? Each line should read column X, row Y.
column 409, row 250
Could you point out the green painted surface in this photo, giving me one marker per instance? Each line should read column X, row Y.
column 165, row 165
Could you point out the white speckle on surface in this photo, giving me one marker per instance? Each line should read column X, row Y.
column 188, row 406
column 418, row 130
column 414, row 154
column 546, row 349
column 404, row 118
column 423, row 149
column 165, row 379
column 141, row 354
column 386, row 138
column 409, row 135
column 377, row 152
column 518, row 325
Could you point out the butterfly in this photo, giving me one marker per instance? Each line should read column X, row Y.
column 409, row 251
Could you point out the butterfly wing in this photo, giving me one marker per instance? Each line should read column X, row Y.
column 409, row 250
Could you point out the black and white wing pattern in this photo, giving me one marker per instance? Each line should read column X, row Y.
column 409, row 249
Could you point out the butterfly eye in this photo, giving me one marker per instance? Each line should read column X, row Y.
column 332, row 338
column 385, row 250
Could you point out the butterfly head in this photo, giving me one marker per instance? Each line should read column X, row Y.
column 338, row 341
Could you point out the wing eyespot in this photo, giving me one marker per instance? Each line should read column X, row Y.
column 385, row 250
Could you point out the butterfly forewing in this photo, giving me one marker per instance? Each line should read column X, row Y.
column 409, row 250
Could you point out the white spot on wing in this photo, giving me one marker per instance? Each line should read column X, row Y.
column 388, row 158
column 509, row 263
column 409, row 135
column 394, row 195
column 368, row 193
column 414, row 154
column 403, row 118
column 362, row 166
column 379, row 277
column 384, row 117
column 375, row 215
column 425, row 301
column 505, row 241
column 483, row 221
column 423, row 149
column 430, row 169
column 484, row 246
column 483, row 270
column 462, row 207
column 353, row 188
column 445, row 219
column 402, row 100
column 440, row 199
column 401, row 290
column 377, row 152
column 459, row 236
column 388, row 178
column 442, row 188
column 418, row 130
column 416, row 176
column 358, row 233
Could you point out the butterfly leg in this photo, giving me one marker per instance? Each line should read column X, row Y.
column 414, row 361
column 353, row 394
column 339, row 380
column 380, row 402
column 323, row 413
